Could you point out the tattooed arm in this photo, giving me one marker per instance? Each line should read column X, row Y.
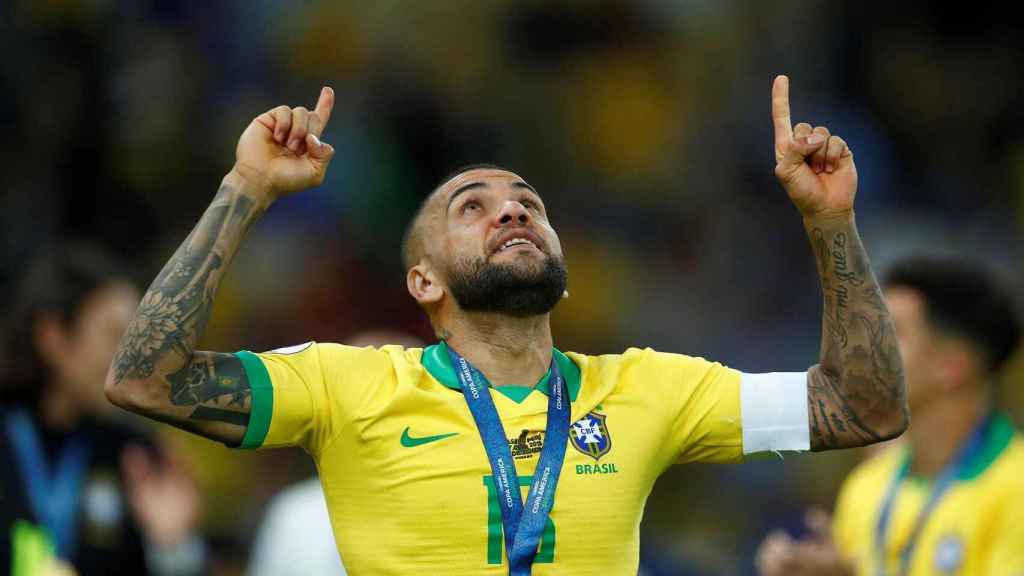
column 157, row 371
column 856, row 394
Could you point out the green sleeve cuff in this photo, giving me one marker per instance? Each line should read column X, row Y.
column 262, row 400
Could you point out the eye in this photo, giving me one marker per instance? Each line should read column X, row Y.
column 470, row 205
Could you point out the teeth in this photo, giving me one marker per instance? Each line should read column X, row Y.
column 515, row 242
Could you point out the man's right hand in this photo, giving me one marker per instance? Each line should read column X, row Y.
column 280, row 152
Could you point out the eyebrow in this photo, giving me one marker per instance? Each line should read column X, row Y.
column 475, row 185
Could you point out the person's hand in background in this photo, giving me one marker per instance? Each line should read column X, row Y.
column 162, row 495
column 816, row 555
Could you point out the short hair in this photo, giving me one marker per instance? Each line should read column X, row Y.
column 412, row 240
column 963, row 300
column 57, row 283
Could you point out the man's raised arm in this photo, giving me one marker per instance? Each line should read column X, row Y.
column 157, row 372
column 856, row 394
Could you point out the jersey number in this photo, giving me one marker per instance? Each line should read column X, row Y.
column 495, row 540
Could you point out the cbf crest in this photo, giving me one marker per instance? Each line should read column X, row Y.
column 949, row 554
column 590, row 435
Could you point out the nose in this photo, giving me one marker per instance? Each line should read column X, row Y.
column 512, row 212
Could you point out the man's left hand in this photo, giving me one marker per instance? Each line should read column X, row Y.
column 815, row 167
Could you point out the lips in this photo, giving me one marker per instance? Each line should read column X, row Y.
column 517, row 237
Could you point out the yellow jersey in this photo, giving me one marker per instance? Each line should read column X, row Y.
column 977, row 527
column 408, row 482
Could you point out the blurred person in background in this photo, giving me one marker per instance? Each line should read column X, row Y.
column 948, row 499
column 295, row 536
column 400, row 459
column 74, row 483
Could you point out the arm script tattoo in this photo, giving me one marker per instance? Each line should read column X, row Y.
column 856, row 393
column 201, row 387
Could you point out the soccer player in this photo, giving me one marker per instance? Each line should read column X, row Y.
column 422, row 452
column 948, row 500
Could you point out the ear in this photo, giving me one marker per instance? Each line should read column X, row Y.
column 50, row 339
column 957, row 366
column 422, row 284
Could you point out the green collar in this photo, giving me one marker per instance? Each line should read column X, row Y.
column 997, row 438
column 436, row 360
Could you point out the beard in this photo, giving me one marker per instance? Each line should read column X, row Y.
column 513, row 289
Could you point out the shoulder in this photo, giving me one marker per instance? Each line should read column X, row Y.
column 331, row 357
column 664, row 379
column 641, row 359
column 1008, row 468
column 875, row 472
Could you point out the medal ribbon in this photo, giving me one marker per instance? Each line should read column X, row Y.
column 54, row 498
column 945, row 480
column 523, row 526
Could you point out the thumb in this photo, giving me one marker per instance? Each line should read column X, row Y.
column 319, row 152
column 800, row 148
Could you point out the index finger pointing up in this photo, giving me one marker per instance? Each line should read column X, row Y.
column 780, row 111
column 323, row 108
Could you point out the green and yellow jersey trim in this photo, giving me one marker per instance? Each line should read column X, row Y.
column 998, row 436
column 437, row 361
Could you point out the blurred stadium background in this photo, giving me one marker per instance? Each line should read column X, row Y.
column 643, row 123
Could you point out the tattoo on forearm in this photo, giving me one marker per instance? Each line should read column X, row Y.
column 173, row 313
column 854, row 389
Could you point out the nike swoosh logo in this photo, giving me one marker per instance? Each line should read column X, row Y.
column 410, row 442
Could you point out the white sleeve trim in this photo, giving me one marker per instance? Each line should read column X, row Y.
column 773, row 408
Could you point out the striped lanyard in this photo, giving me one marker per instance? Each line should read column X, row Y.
column 53, row 493
column 523, row 526
column 942, row 484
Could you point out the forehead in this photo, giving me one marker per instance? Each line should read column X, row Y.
column 479, row 176
column 906, row 305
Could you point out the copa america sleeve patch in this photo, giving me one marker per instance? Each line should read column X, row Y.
column 773, row 408
column 291, row 349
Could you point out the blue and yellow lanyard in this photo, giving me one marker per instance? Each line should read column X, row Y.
column 53, row 493
column 945, row 480
column 523, row 527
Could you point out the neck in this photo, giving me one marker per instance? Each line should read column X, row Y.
column 940, row 431
column 509, row 351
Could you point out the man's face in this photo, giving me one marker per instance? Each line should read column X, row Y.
column 496, row 249
column 919, row 345
column 88, row 344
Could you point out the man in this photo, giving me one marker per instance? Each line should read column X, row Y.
column 75, row 484
column 947, row 500
column 417, row 457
